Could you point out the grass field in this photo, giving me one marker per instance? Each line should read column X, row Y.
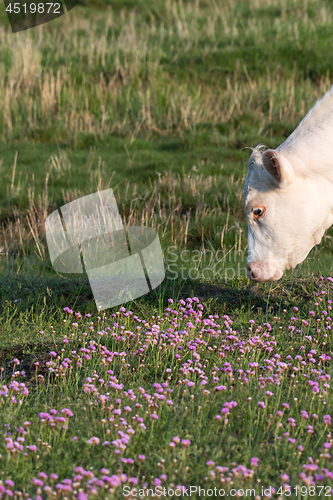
column 229, row 389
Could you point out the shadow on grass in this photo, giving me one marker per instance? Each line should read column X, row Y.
column 22, row 294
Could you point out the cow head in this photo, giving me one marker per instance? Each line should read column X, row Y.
column 287, row 212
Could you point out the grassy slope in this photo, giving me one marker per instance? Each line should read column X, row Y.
column 182, row 87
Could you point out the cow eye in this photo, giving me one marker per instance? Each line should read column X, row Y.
column 258, row 212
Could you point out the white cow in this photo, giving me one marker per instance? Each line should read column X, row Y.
column 289, row 195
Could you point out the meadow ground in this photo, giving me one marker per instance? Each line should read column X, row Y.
column 209, row 380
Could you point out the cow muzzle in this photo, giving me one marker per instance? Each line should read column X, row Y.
column 263, row 272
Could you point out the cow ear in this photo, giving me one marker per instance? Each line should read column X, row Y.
column 278, row 167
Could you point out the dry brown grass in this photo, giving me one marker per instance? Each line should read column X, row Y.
column 117, row 84
column 162, row 205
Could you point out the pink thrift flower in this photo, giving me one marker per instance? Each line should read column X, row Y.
column 67, row 412
column 37, row 482
column 186, row 443
column 93, row 440
column 82, row 496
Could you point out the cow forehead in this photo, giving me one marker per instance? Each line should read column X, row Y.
column 255, row 159
column 249, row 193
column 257, row 182
column 250, row 196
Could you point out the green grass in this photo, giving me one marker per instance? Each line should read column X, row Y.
column 248, row 431
column 160, row 101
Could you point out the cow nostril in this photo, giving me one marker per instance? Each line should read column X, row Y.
column 251, row 272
